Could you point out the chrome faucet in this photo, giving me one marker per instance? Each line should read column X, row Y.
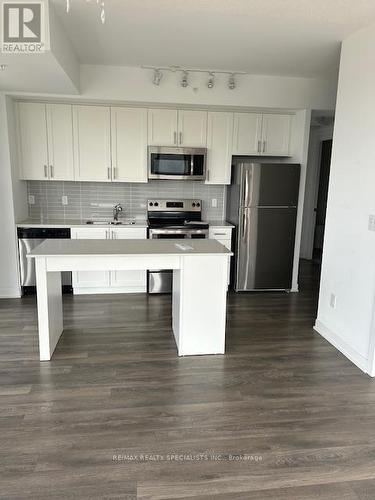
column 117, row 209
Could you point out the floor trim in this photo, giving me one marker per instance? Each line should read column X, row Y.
column 345, row 349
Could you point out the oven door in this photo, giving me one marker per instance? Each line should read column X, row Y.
column 176, row 163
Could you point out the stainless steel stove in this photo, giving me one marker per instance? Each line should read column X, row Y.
column 177, row 219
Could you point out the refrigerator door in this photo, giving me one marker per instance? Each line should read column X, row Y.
column 265, row 249
column 274, row 185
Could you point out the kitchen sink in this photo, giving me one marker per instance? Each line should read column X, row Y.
column 110, row 223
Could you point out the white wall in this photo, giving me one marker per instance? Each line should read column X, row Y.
column 348, row 268
column 9, row 284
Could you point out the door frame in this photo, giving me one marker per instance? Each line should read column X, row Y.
column 317, row 137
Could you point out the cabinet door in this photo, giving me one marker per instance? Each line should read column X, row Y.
column 192, row 128
column 90, row 279
column 131, row 281
column 92, row 145
column 223, row 236
column 32, row 140
column 276, row 134
column 247, row 133
column 60, row 141
column 129, row 144
column 219, row 147
column 162, row 127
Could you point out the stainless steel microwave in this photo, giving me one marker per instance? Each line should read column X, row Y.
column 177, row 163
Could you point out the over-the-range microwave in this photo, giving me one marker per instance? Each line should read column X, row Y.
column 177, row 163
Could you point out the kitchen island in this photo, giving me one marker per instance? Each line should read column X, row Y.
column 199, row 267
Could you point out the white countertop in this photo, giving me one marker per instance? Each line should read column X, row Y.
column 51, row 223
column 79, row 248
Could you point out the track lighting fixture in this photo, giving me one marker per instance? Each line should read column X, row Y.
column 231, row 82
column 184, row 79
column 158, row 75
column 3, row 67
column 211, row 80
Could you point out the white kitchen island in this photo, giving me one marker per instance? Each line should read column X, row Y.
column 199, row 295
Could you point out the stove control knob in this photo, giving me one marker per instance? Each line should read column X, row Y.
column 151, row 204
column 193, row 204
column 198, row 204
column 156, row 204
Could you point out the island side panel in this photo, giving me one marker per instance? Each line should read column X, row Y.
column 50, row 312
column 202, row 305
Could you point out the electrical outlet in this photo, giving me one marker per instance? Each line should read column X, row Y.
column 214, row 202
column 64, row 200
column 332, row 301
column 31, row 199
column 371, row 222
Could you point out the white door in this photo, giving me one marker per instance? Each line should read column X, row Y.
column 32, row 140
column 92, row 144
column 60, row 141
column 192, row 128
column 90, row 279
column 162, row 127
column 219, row 147
column 276, row 134
column 247, row 134
column 131, row 281
column 129, row 144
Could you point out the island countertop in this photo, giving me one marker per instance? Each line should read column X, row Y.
column 92, row 248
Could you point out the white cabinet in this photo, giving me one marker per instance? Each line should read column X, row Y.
column 192, row 128
column 129, row 144
column 45, row 141
column 276, row 131
column 162, row 127
column 133, row 281
column 223, row 234
column 261, row 134
column 90, row 279
column 90, row 282
column 247, row 133
column 92, row 143
column 171, row 127
column 219, row 147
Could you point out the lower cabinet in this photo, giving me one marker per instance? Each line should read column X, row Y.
column 224, row 236
column 90, row 282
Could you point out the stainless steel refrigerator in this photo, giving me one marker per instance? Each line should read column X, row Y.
column 262, row 203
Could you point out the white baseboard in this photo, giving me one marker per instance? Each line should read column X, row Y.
column 109, row 290
column 342, row 346
column 10, row 293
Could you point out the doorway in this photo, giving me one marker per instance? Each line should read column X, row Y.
column 321, row 203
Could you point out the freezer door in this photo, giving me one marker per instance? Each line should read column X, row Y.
column 265, row 249
column 275, row 184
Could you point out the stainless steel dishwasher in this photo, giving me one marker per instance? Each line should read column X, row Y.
column 29, row 238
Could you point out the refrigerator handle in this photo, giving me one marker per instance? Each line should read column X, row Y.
column 246, row 187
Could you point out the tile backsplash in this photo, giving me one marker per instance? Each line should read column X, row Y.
column 83, row 198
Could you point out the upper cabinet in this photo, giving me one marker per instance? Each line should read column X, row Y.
column 45, row 140
column 192, row 128
column 129, row 144
column 162, row 127
column 219, row 147
column 276, row 131
column 261, row 134
column 92, row 143
column 184, row 128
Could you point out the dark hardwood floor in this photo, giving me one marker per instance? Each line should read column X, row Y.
column 117, row 415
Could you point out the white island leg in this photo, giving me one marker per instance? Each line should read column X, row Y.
column 199, row 305
column 50, row 313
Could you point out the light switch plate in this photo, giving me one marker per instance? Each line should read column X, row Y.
column 31, row 199
column 214, row 202
column 332, row 301
column 371, row 222
column 64, row 200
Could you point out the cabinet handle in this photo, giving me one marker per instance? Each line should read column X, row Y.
column 264, row 146
column 180, row 138
column 114, row 173
column 51, row 171
column 220, row 234
column 174, row 137
column 114, row 235
column 208, row 175
column 45, row 171
column 109, row 172
column 259, row 146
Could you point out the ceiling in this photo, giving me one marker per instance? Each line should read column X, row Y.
column 270, row 37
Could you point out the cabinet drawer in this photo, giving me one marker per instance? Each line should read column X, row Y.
column 129, row 233
column 220, row 233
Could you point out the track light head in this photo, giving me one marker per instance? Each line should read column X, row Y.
column 211, row 80
column 158, row 75
column 3, row 67
column 231, row 82
column 184, row 79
